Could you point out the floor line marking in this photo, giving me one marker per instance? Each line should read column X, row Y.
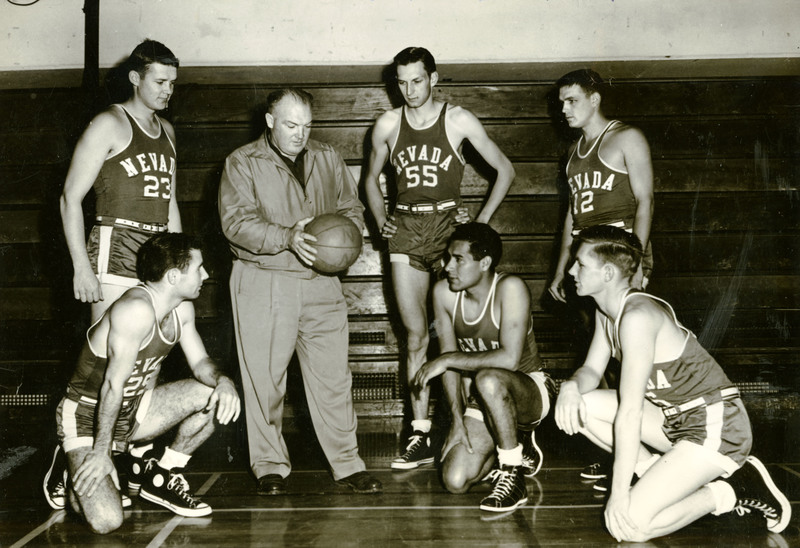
column 170, row 526
column 395, row 508
column 55, row 517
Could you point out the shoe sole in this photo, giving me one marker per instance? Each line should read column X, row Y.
column 534, row 471
column 373, row 491
column 61, row 502
column 786, row 507
column 186, row 512
column 411, row 465
column 591, row 475
column 519, row 503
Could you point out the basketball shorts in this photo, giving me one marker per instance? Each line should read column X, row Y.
column 722, row 427
column 75, row 420
column 421, row 239
column 112, row 252
column 542, row 404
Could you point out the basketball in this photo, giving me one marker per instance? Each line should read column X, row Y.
column 338, row 242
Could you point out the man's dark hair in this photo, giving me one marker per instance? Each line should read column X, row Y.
column 149, row 52
column 613, row 245
column 162, row 252
column 483, row 241
column 412, row 55
column 300, row 95
column 587, row 79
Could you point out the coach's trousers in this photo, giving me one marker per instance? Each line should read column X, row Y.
column 274, row 316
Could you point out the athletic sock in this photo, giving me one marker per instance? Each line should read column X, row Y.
column 173, row 459
column 510, row 457
column 421, row 425
column 724, row 496
column 644, row 465
column 138, row 451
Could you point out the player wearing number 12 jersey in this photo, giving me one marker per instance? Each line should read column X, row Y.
column 423, row 141
column 128, row 154
column 609, row 173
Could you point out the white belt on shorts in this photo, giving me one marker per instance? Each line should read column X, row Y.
column 725, row 394
column 133, row 224
column 427, row 208
column 618, row 224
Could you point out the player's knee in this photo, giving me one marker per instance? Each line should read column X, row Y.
column 489, row 384
column 417, row 340
column 106, row 523
column 455, row 481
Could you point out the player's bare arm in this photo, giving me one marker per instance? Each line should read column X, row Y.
column 174, row 223
column 514, row 301
column 385, row 127
column 638, row 331
column 556, row 288
column 570, row 409
column 130, row 322
column 105, row 136
column 467, row 126
column 224, row 398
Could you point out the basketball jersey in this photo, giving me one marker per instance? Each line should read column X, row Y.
column 136, row 183
column 599, row 194
column 428, row 168
column 693, row 374
column 90, row 372
column 483, row 333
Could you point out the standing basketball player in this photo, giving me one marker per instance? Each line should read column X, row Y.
column 423, row 141
column 673, row 398
column 113, row 397
column 270, row 190
column 128, row 154
column 492, row 372
column 609, row 173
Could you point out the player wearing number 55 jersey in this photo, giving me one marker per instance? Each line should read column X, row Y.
column 128, row 154
column 609, row 173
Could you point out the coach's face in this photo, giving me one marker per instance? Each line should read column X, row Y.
column 290, row 125
column 463, row 271
column 415, row 83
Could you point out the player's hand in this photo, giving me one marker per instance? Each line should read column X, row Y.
column 389, row 227
column 430, row 370
column 570, row 413
column 298, row 242
column 86, row 287
column 95, row 467
column 556, row 290
column 458, row 434
column 226, row 399
column 462, row 215
column 617, row 516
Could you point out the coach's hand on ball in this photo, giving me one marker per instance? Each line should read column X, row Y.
column 298, row 239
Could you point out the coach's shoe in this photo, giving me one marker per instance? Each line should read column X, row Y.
column 271, row 484
column 170, row 489
column 135, row 469
column 55, row 480
column 531, row 454
column 362, row 483
column 418, row 452
column 755, row 491
column 509, row 491
column 594, row 471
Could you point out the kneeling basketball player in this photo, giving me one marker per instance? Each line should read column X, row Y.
column 673, row 397
column 112, row 398
column 491, row 371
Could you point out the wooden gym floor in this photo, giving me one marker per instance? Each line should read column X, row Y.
column 414, row 510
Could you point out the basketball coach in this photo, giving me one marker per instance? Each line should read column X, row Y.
column 270, row 190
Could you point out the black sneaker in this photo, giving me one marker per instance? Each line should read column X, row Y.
column 531, row 454
column 509, row 491
column 55, row 480
column 755, row 491
column 594, row 471
column 170, row 489
column 135, row 470
column 418, row 452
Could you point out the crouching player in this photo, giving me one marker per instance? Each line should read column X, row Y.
column 112, row 398
column 491, row 371
column 673, row 397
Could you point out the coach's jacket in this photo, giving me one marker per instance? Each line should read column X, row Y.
column 260, row 200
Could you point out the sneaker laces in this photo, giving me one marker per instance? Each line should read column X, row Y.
column 504, row 484
column 745, row 506
column 179, row 485
column 60, row 489
column 493, row 474
column 413, row 443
